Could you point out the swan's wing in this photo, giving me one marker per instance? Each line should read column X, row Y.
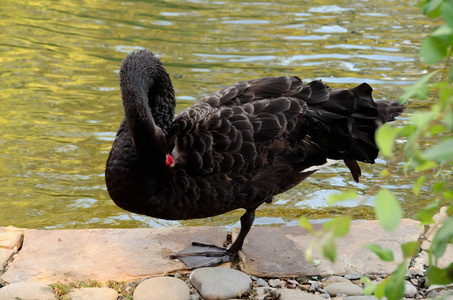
column 264, row 128
column 248, row 91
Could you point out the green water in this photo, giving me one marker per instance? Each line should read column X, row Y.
column 61, row 103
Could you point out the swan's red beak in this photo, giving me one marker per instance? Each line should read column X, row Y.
column 170, row 162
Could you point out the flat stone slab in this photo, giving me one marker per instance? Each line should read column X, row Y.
column 104, row 254
column 10, row 240
column 11, row 237
column 280, row 252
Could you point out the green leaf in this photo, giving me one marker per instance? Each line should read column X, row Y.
column 337, row 197
column 338, row 225
column 421, row 4
column 448, row 119
column 388, row 210
column 437, row 187
column 447, row 12
column 432, row 8
column 407, row 130
column 433, row 49
column 419, row 89
column 421, row 118
column 380, row 289
column 436, row 129
column 385, row 139
column 418, row 184
column 441, row 152
column 395, row 289
column 441, row 239
column 444, row 33
column 305, row 223
column 437, row 275
column 410, row 249
column 369, row 287
column 445, row 97
column 425, row 214
column 384, row 254
column 425, row 165
column 448, row 194
column 450, row 210
column 329, row 249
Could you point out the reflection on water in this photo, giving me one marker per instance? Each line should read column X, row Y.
column 61, row 102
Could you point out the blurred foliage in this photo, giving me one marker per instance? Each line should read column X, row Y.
column 428, row 164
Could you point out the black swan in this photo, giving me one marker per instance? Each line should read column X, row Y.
column 236, row 148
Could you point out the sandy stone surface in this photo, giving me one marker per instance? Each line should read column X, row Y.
column 11, row 237
column 280, row 252
column 5, row 254
column 104, row 254
column 10, row 240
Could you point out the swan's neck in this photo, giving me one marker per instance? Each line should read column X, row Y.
column 148, row 100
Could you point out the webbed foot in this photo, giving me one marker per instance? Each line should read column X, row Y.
column 200, row 255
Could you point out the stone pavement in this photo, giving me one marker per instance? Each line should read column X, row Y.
column 50, row 256
column 280, row 252
column 127, row 254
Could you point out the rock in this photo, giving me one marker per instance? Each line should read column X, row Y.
column 287, row 294
column 5, row 254
column 436, row 290
column 104, row 254
column 353, row 276
column 346, row 288
column 314, row 285
column 415, row 271
column 27, row 290
column 260, row 282
column 219, row 283
column 93, row 294
column 333, row 279
column 285, row 256
column 362, row 298
column 195, row 296
column 262, row 291
column 11, row 237
column 409, row 290
column 274, row 283
column 158, row 288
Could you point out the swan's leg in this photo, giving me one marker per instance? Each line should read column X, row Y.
column 206, row 255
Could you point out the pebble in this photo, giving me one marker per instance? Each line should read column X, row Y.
column 333, row 279
column 93, row 294
column 409, row 290
column 439, row 290
column 314, row 286
column 286, row 294
column 353, row 276
column 27, row 290
column 260, row 282
column 415, row 271
column 219, row 283
column 347, row 288
column 361, row 298
column 274, row 283
column 158, row 288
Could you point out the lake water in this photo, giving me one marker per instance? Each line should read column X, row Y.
column 61, row 102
